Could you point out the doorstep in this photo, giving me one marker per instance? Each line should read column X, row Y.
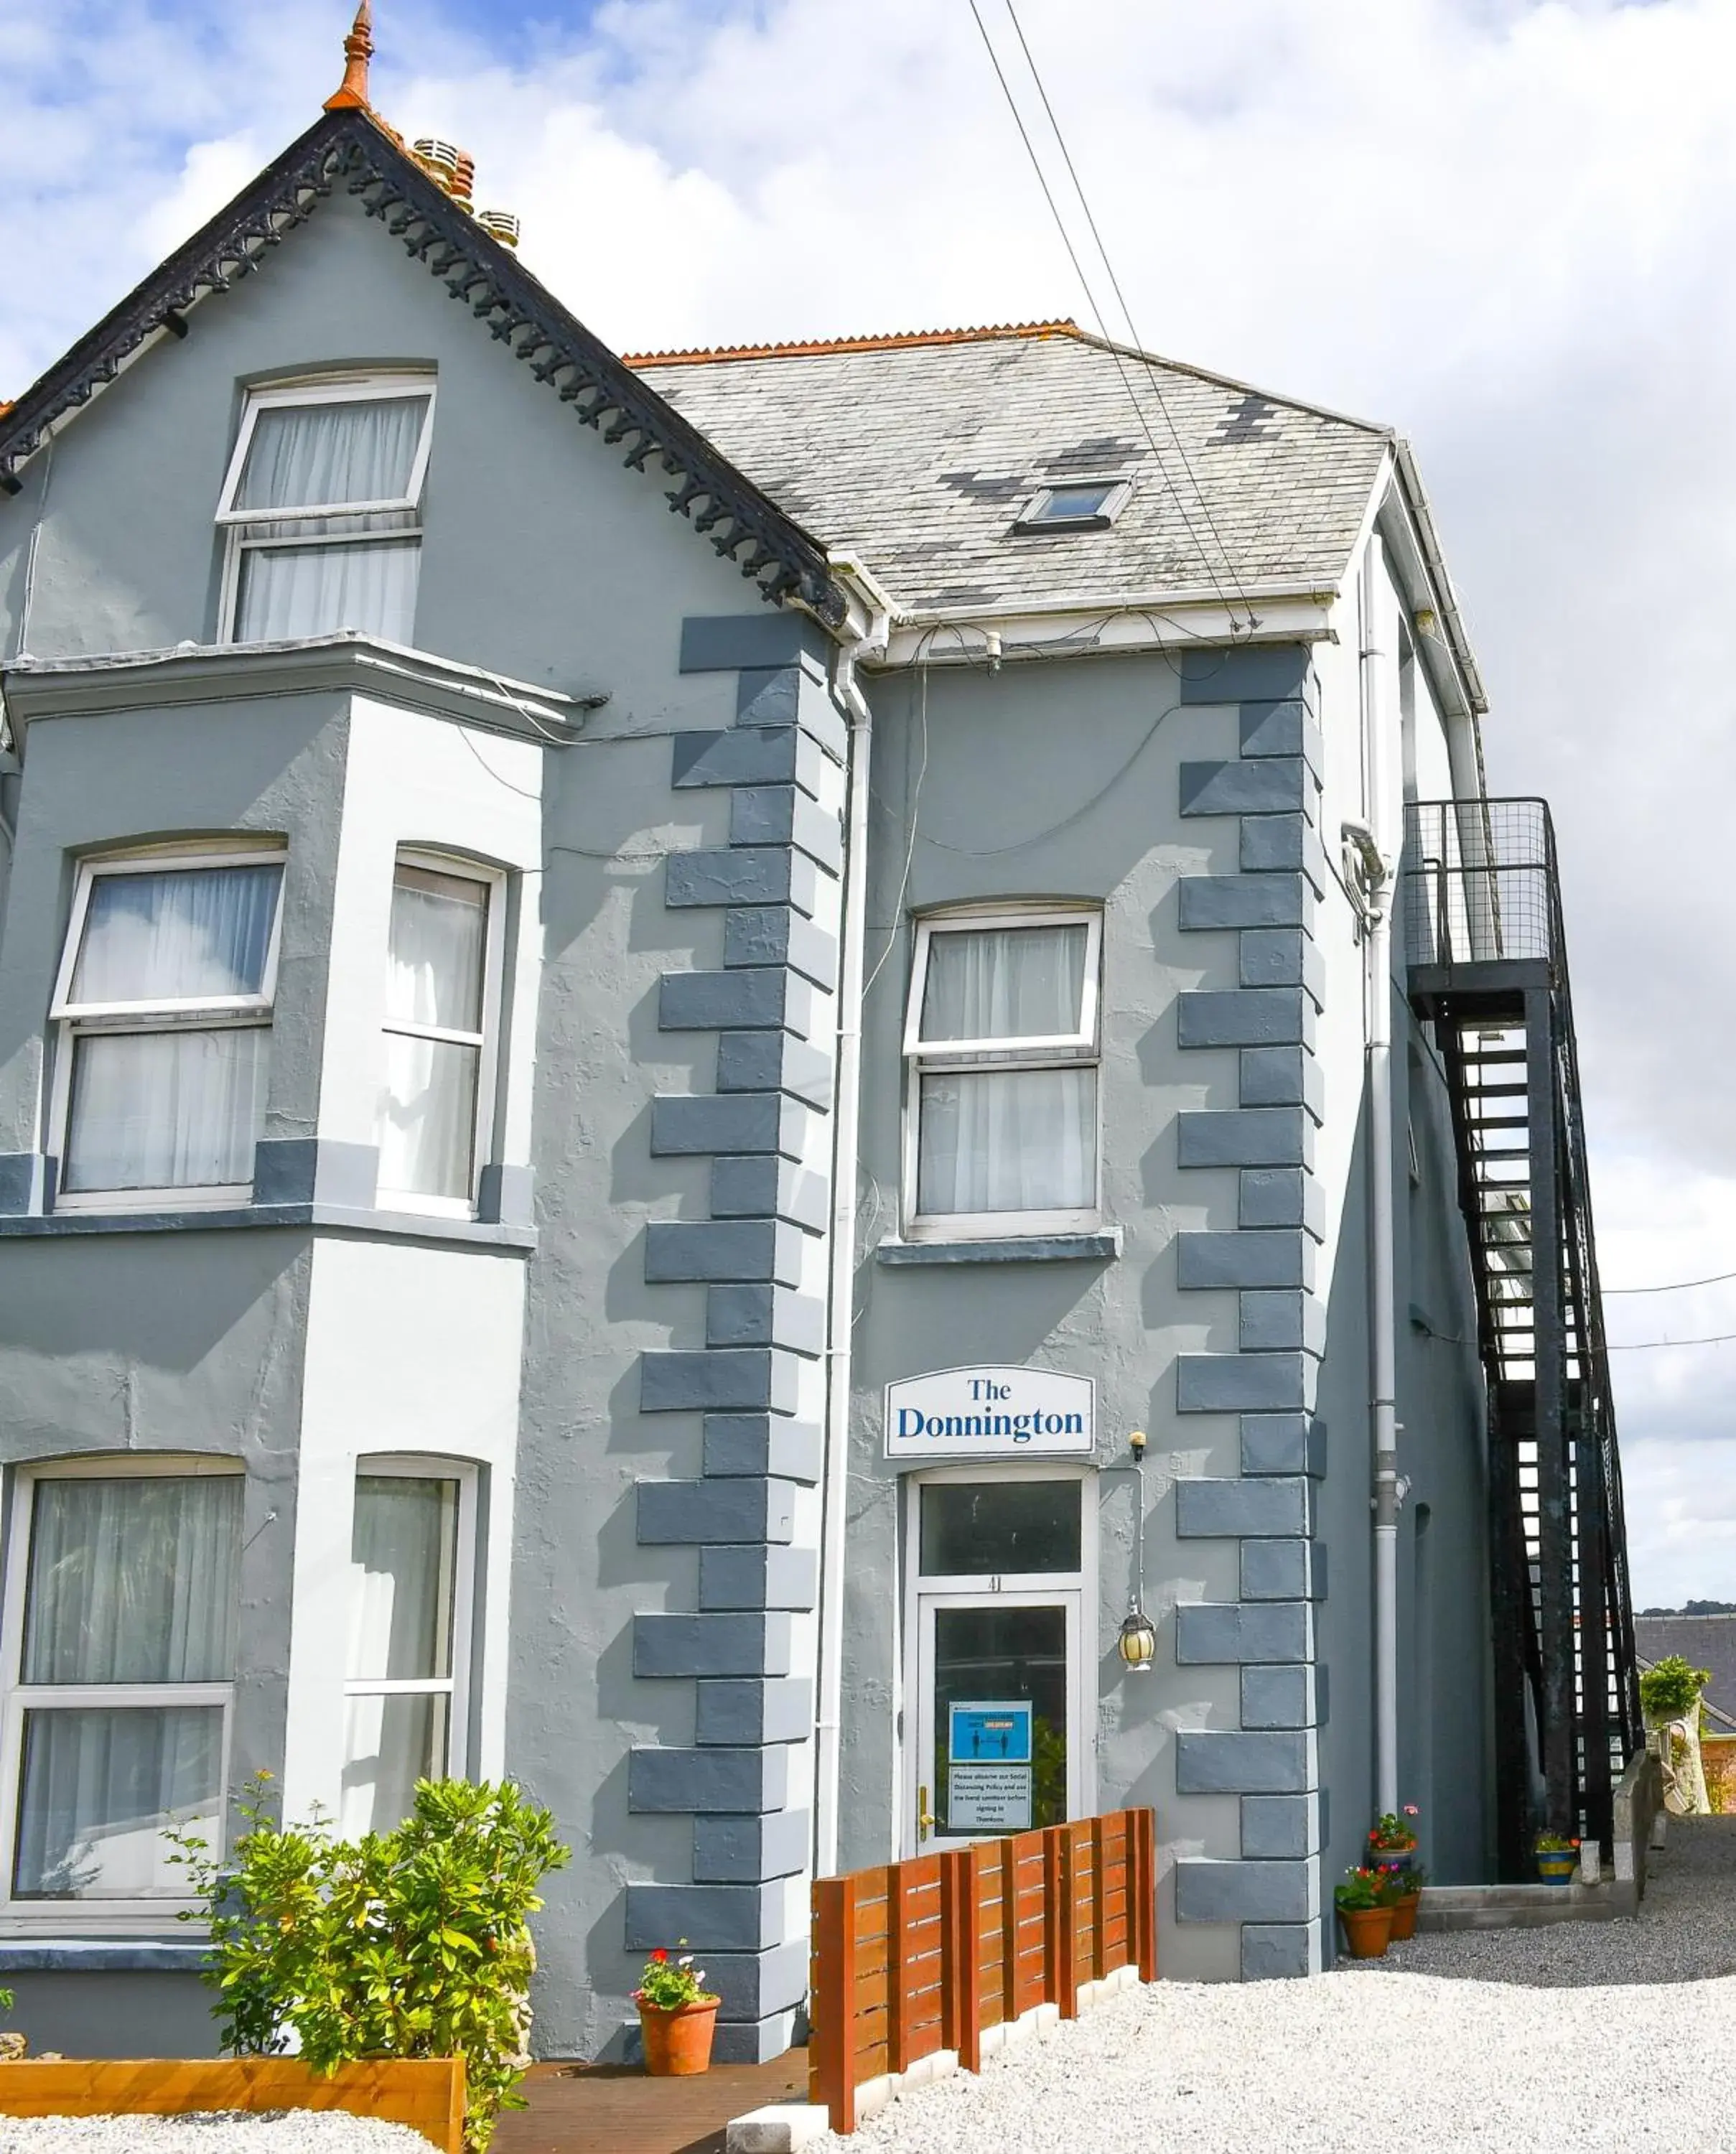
column 619, row 2109
column 1522, row 1906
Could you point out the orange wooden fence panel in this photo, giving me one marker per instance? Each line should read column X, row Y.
column 924, row 1955
column 427, row 2093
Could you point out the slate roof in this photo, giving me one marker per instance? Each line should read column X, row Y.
column 918, row 451
column 1703, row 1641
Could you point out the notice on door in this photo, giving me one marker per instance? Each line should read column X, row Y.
column 997, row 1733
column 988, row 1798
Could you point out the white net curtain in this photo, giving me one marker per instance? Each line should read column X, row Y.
column 403, row 1572
column 433, row 1034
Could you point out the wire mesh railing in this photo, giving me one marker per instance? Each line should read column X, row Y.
column 1479, row 882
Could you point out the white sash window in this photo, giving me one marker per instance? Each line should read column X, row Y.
column 441, row 996
column 121, row 1623
column 410, row 1585
column 164, row 1004
column 1002, row 1042
column 322, row 506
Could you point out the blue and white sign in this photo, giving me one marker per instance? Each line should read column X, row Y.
column 991, row 1413
column 995, row 1734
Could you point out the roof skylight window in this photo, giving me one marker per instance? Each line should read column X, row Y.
column 1074, row 504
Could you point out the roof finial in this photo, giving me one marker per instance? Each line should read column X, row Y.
column 352, row 92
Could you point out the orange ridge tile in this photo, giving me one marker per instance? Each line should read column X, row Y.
column 897, row 340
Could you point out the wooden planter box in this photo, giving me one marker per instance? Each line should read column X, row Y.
column 427, row 2093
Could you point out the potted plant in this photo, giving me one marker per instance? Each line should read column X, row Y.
column 677, row 2015
column 1392, row 1839
column 1557, row 1858
column 1368, row 1924
column 1400, row 1889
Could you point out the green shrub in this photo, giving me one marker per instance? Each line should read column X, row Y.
column 1669, row 1688
column 410, row 1944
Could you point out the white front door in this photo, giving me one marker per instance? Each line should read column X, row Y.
column 996, row 1741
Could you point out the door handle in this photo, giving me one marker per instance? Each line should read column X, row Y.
column 926, row 1821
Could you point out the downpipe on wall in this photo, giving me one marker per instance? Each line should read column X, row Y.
column 840, row 1298
column 1371, row 876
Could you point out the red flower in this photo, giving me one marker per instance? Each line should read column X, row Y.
column 660, row 1955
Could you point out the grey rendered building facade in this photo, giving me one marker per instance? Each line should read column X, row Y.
column 942, row 664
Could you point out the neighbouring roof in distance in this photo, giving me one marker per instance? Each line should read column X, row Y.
column 918, row 451
column 1703, row 1641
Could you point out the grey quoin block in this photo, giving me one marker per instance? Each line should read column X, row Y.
column 1271, row 957
column 1207, row 1892
column 1282, row 1196
column 1279, row 1951
column 1284, row 1570
column 767, row 697
column 1244, row 1137
column 712, row 1781
column 759, row 1578
column 754, row 1984
column 736, row 875
column 1246, row 673
column 1283, row 1443
column 1280, row 1828
column 758, row 1443
column 1240, row 901
column 732, row 642
column 749, row 1379
column 704, row 1121
column 1282, row 1077
column 778, row 935
column 1280, row 728
column 724, row 1917
column 1282, row 1696
column 1226, row 1510
column 1283, row 845
column 747, row 1642
column 742, row 1709
column 740, row 755
column 746, row 1849
column 1221, row 1631
column 1272, row 788
column 1242, row 1383
column 1282, row 1322
column 737, row 1316
column 747, row 1000
column 715, row 1511
column 785, row 815
column 1278, row 1258
column 1279, row 1763
column 711, row 1249
column 774, row 1062
column 768, row 1187
column 1240, row 1016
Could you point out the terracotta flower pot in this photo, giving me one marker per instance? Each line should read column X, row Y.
column 1404, row 1916
column 677, row 2042
column 1366, row 1931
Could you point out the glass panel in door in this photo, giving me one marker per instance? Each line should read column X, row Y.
column 999, row 1717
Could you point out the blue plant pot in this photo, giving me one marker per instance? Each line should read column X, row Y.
column 1557, row 1869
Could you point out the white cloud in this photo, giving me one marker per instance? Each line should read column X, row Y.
column 1500, row 225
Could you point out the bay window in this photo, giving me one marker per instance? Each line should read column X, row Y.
column 1001, row 1040
column 321, row 506
column 409, row 1596
column 442, row 970
column 121, row 1623
column 164, row 1008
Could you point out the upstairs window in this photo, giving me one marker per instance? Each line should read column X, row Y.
column 440, row 990
column 164, row 1004
column 1002, row 1043
column 322, row 506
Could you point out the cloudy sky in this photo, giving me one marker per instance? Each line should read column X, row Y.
column 1505, row 227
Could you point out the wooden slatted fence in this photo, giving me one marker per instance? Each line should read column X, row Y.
column 925, row 1955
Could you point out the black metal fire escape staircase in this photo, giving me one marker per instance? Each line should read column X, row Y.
column 1488, row 967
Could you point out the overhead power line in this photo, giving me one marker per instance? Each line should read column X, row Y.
column 1675, row 1286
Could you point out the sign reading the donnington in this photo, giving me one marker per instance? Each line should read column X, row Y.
column 991, row 1413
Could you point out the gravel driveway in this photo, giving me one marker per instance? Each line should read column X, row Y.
column 274, row 2131
column 1589, row 2036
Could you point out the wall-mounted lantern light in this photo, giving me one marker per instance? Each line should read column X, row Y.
column 1137, row 1641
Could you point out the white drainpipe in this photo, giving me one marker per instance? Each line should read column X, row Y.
column 840, row 1300
column 1373, row 869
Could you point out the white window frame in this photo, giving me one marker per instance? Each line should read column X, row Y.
column 412, row 1466
column 322, row 389
column 213, row 1013
column 1079, row 1049
column 493, row 880
column 1074, row 1589
column 19, row 1916
column 1035, row 516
